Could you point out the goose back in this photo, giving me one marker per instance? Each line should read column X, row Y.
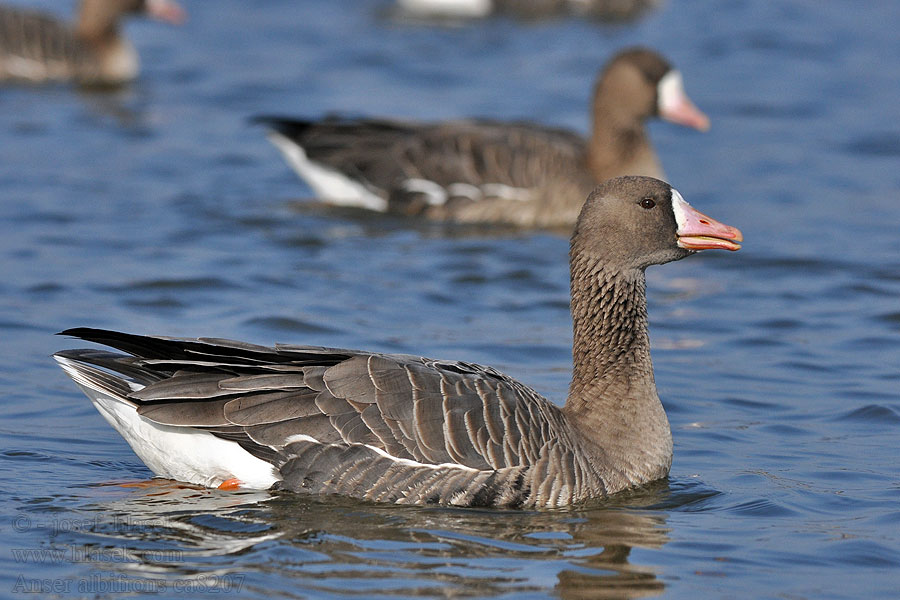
column 381, row 427
column 472, row 170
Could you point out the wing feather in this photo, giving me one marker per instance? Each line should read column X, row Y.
column 387, row 438
column 429, row 425
column 350, row 379
column 186, row 414
column 184, row 386
column 403, row 428
column 273, row 381
column 271, row 407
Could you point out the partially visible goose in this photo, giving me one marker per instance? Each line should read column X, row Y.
column 37, row 48
column 490, row 171
column 411, row 430
column 602, row 10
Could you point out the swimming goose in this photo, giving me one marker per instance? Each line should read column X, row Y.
column 412, row 430
column 36, row 48
column 490, row 171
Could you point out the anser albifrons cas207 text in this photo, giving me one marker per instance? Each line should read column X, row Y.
column 489, row 171
column 602, row 10
column 36, row 47
column 412, row 430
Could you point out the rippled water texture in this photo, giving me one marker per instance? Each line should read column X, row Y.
column 161, row 210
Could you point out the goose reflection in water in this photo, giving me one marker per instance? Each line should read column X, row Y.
column 176, row 531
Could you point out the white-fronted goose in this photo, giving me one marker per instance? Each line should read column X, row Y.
column 602, row 10
column 411, row 430
column 482, row 171
column 37, row 48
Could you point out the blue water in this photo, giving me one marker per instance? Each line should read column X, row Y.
column 161, row 210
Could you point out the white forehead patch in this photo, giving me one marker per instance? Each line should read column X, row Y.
column 670, row 90
column 679, row 207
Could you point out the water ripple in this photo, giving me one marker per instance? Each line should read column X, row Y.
column 175, row 284
column 873, row 413
column 761, row 507
column 286, row 325
column 880, row 144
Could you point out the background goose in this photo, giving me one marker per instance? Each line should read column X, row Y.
column 412, row 430
column 602, row 10
column 36, row 47
column 490, row 171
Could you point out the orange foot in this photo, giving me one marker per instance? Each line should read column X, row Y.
column 231, row 484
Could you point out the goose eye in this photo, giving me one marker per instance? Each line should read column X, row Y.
column 648, row 203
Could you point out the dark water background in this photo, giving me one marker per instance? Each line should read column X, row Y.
column 160, row 210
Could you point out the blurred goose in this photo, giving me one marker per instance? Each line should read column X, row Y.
column 602, row 10
column 411, row 430
column 490, row 171
column 35, row 47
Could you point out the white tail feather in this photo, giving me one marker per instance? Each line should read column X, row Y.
column 182, row 453
column 328, row 184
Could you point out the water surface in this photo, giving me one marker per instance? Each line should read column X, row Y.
column 161, row 210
